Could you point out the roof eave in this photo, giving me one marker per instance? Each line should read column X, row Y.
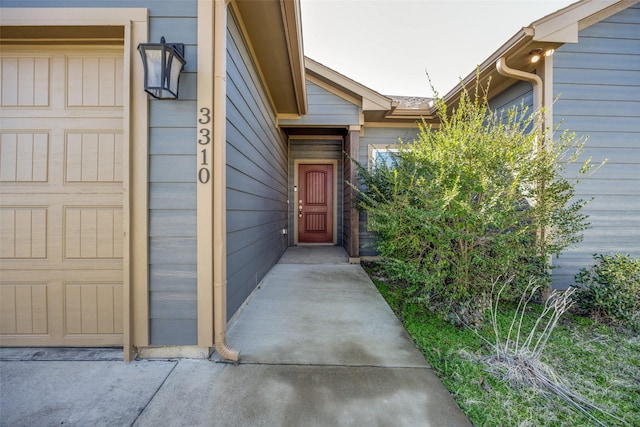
column 273, row 32
column 550, row 31
column 486, row 70
column 370, row 99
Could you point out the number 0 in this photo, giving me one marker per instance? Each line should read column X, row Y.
column 204, row 175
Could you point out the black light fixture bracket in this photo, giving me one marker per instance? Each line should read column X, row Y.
column 177, row 47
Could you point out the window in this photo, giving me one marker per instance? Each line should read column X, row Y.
column 385, row 155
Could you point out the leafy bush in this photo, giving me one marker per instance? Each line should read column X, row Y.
column 472, row 200
column 610, row 289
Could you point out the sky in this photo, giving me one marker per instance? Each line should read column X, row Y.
column 390, row 45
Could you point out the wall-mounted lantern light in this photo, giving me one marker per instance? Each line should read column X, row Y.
column 162, row 64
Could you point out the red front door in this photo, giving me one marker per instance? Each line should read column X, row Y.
column 315, row 203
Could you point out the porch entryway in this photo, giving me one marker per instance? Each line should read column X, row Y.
column 321, row 209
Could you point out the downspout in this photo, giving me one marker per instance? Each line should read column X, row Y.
column 536, row 81
column 219, row 183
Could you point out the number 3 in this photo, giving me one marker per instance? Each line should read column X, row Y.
column 205, row 133
column 206, row 116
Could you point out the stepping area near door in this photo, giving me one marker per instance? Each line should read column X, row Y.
column 319, row 346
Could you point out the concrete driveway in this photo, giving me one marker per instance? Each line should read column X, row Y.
column 319, row 347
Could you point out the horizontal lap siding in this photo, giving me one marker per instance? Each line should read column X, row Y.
column 172, row 188
column 256, row 177
column 380, row 137
column 325, row 108
column 519, row 95
column 598, row 84
column 180, row 8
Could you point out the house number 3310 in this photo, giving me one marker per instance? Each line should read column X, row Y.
column 204, row 142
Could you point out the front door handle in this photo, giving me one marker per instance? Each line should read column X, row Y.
column 300, row 209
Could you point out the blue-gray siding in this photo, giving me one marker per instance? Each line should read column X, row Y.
column 157, row 9
column 381, row 137
column 598, row 82
column 172, row 188
column 257, row 173
column 519, row 95
column 325, row 108
column 172, row 158
column 314, row 149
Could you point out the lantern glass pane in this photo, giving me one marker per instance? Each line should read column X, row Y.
column 174, row 75
column 154, row 67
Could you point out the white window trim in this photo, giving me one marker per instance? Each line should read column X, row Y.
column 374, row 149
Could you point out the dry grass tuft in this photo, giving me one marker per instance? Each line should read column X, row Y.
column 516, row 356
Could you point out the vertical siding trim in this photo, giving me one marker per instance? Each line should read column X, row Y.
column 220, row 183
column 547, row 96
column 136, row 193
column 205, row 199
column 352, row 241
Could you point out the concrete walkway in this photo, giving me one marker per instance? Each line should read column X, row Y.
column 319, row 347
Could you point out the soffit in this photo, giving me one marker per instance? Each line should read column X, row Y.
column 272, row 29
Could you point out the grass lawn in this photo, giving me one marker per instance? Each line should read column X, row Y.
column 598, row 362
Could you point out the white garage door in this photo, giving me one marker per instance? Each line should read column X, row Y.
column 61, row 195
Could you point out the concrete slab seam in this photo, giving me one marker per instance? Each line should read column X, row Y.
column 175, row 364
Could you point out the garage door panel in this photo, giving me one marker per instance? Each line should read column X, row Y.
column 93, row 308
column 24, row 308
column 30, row 233
column 91, row 233
column 93, row 156
column 65, row 307
column 23, row 232
column 24, row 156
column 94, row 81
column 25, row 81
column 61, row 176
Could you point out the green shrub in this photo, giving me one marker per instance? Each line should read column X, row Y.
column 470, row 201
column 610, row 289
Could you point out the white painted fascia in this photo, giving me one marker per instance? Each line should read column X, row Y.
column 563, row 25
column 369, row 104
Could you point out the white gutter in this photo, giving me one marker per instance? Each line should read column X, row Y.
column 520, row 38
column 219, row 183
